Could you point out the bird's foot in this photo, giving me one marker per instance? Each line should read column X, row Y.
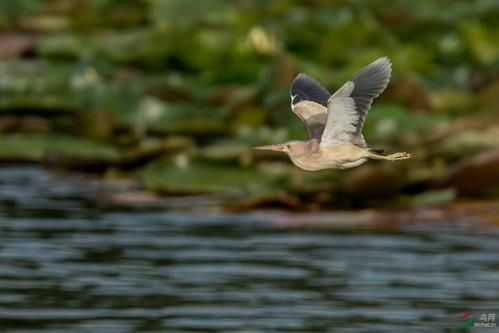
column 399, row 156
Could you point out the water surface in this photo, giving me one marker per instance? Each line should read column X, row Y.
column 71, row 264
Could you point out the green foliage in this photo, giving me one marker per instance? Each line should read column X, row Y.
column 183, row 175
column 106, row 75
column 32, row 147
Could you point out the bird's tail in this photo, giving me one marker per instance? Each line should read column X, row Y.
column 376, row 151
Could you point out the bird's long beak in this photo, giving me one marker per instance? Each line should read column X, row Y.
column 278, row 147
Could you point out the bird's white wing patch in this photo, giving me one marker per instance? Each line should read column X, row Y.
column 348, row 107
column 313, row 116
column 339, row 128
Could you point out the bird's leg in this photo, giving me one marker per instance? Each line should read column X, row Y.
column 392, row 157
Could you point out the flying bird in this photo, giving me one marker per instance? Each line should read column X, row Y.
column 334, row 122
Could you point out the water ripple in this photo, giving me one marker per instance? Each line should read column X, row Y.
column 70, row 264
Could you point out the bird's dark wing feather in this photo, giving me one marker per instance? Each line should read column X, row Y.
column 304, row 88
column 309, row 102
column 348, row 107
column 369, row 84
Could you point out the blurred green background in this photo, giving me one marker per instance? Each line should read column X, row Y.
column 174, row 94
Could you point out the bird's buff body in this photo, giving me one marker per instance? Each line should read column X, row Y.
column 342, row 156
column 334, row 122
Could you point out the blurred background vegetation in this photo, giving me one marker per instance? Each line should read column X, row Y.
column 174, row 93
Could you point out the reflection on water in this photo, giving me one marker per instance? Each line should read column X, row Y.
column 68, row 264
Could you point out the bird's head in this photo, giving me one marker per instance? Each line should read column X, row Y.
column 291, row 147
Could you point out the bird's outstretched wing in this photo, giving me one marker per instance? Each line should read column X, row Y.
column 347, row 108
column 309, row 101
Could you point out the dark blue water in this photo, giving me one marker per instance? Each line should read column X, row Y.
column 71, row 264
